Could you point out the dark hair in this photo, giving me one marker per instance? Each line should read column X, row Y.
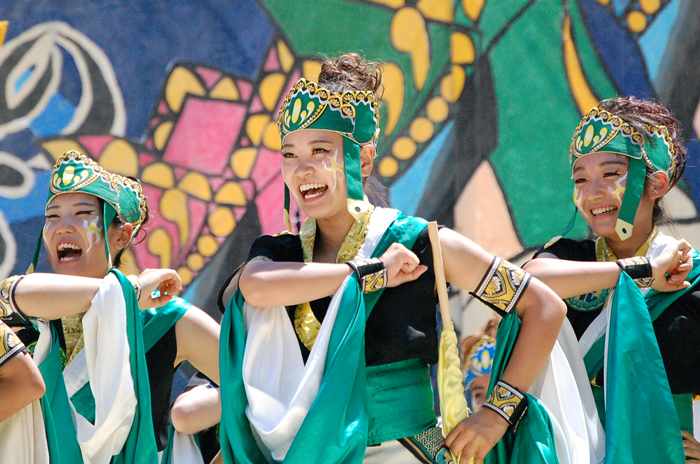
column 639, row 113
column 119, row 221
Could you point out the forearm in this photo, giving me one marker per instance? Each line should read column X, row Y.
column 197, row 410
column 197, row 337
column 573, row 278
column 53, row 296
column 542, row 315
column 283, row 284
column 20, row 384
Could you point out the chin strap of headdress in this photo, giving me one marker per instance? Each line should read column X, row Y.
column 353, row 115
column 123, row 196
column 601, row 131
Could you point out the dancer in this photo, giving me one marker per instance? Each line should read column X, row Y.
column 341, row 320
column 640, row 346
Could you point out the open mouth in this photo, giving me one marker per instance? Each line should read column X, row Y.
column 68, row 252
column 312, row 190
column 603, row 210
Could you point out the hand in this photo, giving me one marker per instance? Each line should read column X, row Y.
column 476, row 435
column 402, row 265
column 691, row 447
column 166, row 281
column 675, row 261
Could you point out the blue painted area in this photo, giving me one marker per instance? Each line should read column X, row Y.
column 21, row 144
column 692, row 172
column 619, row 6
column 56, row 116
column 618, row 51
column 26, row 236
column 191, row 292
column 30, row 206
column 405, row 193
column 655, row 39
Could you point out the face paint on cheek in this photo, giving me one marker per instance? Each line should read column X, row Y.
column 578, row 200
column 93, row 230
column 334, row 168
column 620, row 187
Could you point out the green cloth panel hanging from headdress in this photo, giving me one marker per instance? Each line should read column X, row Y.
column 533, row 440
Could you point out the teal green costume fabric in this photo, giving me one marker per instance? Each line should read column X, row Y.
column 632, row 434
column 533, row 440
column 144, row 328
column 336, row 427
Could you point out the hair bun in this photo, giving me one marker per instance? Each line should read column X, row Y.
column 350, row 72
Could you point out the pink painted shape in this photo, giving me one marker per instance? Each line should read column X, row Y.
column 270, row 205
column 216, row 183
column 256, row 106
column 144, row 259
column 290, row 83
column 220, row 240
column 239, row 212
column 204, row 135
column 209, row 76
column 248, row 188
column 245, row 88
column 267, row 166
column 154, row 122
column 245, row 141
column 163, row 107
column 96, row 143
column 198, row 217
column 146, row 159
column 179, row 172
column 228, row 173
column 272, row 63
column 149, row 144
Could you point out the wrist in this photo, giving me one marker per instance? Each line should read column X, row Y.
column 508, row 402
column 371, row 273
column 638, row 268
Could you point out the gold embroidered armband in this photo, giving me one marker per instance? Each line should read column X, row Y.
column 502, row 286
column 508, row 402
column 638, row 268
column 8, row 306
column 370, row 273
column 10, row 344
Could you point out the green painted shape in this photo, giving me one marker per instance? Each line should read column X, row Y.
column 497, row 14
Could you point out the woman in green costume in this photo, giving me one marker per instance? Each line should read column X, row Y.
column 107, row 365
column 327, row 335
column 641, row 347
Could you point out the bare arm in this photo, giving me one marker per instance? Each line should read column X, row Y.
column 573, row 278
column 197, row 337
column 197, row 410
column 542, row 313
column 20, row 384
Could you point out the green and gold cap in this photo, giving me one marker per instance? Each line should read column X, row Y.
column 601, row 131
column 122, row 196
column 352, row 114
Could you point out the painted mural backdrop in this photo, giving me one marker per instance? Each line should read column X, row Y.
column 481, row 99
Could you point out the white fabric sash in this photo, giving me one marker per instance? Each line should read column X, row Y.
column 279, row 386
column 184, row 450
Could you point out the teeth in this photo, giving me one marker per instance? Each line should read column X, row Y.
column 314, row 195
column 64, row 246
column 605, row 209
column 306, row 187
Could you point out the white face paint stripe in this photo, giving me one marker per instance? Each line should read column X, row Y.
column 578, row 200
column 333, row 168
column 93, row 231
column 619, row 189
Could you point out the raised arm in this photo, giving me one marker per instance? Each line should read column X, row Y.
column 197, row 409
column 198, row 342
column 542, row 313
column 20, row 380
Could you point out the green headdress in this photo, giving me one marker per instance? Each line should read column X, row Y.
column 353, row 115
column 601, row 131
column 123, row 196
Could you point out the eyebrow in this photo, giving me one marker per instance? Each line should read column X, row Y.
column 288, row 145
column 605, row 163
column 76, row 204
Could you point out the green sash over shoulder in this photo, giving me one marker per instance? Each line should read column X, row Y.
column 533, row 440
column 335, row 429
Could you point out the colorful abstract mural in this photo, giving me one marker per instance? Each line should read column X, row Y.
column 481, row 98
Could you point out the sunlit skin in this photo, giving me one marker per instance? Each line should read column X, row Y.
column 600, row 180
column 73, row 239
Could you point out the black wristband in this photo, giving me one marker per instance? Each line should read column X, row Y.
column 508, row 402
column 370, row 273
column 638, row 268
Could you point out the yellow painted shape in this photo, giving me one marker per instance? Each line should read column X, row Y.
column 121, row 158
column 311, row 69
column 581, row 91
column 451, row 85
column 158, row 174
column 403, row 148
column 197, row 185
column 421, row 129
column 473, row 8
column 207, row 245
column 390, row 3
column 57, row 148
column 254, row 127
column 636, row 21
column 231, row 193
column 225, row 89
column 461, row 48
column 286, row 57
column 409, row 35
column 242, row 161
column 394, row 95
column 3, row 31
column 388, row 167
column 185, row 275
column 173, row 207
column 602, row 2
column 221, row 221
column 161, row 134
column 271, row 137
column 437, row 10
column 180, row 83
column 270, row 89
column 437, row 109
column 160, row 245
column 195, row 261
column 650, row 6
